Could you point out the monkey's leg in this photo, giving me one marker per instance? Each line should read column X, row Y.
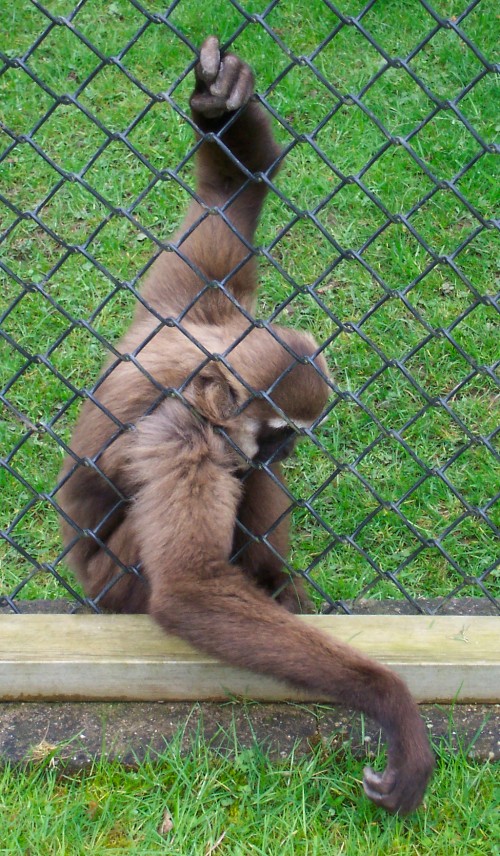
column 124, row 591
column 184, row 517
column 264, row 513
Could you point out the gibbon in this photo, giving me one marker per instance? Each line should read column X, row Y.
column 172, row 498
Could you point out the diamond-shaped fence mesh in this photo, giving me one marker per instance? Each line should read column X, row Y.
column 378, row 237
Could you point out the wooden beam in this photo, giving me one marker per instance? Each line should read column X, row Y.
column 128, row 658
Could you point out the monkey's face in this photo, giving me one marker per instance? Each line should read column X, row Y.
column 268, row 444
column 259, row 441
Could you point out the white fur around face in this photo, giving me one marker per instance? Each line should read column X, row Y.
column 276, row 422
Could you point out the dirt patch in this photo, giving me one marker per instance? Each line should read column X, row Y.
column 76, row 734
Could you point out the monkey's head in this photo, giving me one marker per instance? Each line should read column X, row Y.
column 264, row 391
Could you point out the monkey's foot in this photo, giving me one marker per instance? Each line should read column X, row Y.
column 223, row 83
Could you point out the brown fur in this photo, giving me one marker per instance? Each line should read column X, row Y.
column 152, row 481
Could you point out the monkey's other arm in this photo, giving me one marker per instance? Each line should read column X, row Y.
column 197, row 594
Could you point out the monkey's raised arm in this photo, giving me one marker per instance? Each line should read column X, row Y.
column 224, row 85
column 240, row 141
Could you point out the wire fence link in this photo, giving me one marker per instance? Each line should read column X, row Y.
column 380, row 239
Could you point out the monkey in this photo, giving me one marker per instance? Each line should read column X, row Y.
column 172, row 495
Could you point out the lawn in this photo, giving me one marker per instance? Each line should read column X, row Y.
column 381, row 242
column 199, row 803
column 393, row 269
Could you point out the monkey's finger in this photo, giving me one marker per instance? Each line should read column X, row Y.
column 381, row 783
column 208, row 105
column 227, row 76
column 385, row 789
column 383, row 800
column 209, row 64
column 243, row 90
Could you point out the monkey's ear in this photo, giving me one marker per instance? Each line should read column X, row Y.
column 213, row 394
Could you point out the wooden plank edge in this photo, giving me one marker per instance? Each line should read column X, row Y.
column 128, row 658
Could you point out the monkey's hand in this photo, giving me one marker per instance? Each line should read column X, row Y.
column 401, row 786
column 223, row 84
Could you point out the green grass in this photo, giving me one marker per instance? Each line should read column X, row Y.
column 241, row 805
column 349, row 292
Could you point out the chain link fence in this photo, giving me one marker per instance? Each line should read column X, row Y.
column 379, row 237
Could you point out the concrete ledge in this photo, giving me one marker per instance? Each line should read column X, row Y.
column 128, row 658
